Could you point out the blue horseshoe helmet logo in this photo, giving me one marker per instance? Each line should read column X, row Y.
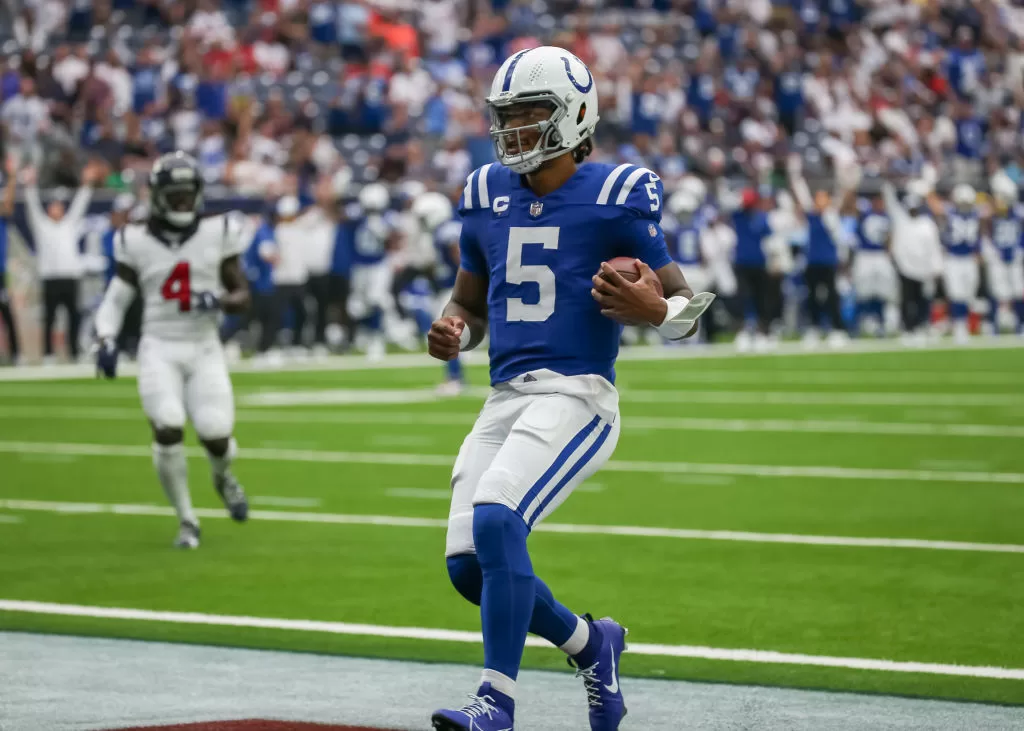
column 583, row 89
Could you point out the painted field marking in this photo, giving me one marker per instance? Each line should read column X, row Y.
column 11, row 519
column 844, row 377
column 652, row 423
column 461, row 636
column 438, row 460
column 815, row 398
column 285, row 502
column 725, row 351
column 563, row 528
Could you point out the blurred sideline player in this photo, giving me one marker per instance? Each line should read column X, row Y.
column 186, row 269
column 370, row 298
column 961, row 237
column 1005, row 266
column 436, row 217
column 874, row 277
column 688, row 239
column 535, row 231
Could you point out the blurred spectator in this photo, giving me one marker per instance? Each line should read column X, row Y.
column 6, row 211
column 24, row 117
column 56, row 232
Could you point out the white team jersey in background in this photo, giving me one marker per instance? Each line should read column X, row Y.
column 170, row 274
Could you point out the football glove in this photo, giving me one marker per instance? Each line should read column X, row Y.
column 106, row 358
column 205, row 301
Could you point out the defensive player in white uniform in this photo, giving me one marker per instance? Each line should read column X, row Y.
column 187, row 270
column 537, row 232
column 1005, row 255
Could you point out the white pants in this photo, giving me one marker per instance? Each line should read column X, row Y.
column 179, row 378
column 1006, row 280
column 699, row 278
column 874, row 277
column 960, row 275
column 531, row 446
column 371, row 288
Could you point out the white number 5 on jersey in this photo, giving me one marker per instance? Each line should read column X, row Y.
column 518, row 273
column 652, row 191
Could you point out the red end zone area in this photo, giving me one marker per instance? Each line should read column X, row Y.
column 251, row 724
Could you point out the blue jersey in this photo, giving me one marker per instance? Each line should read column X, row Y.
column 3, row 248
column 446, row 242
column 685, row 245
column 370, row 239
column 538, row 255
column 963, row 234
column 873, row 231
column 821, row 246
column 258, row 270
column 1008, row 233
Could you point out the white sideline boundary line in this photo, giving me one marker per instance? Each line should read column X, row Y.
column 437, row 460
column 87, row 371
column 446, row 635
column 69, row 508
column 657, row 423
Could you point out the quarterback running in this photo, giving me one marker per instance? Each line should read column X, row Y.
column 538, row 231
column 186, row 269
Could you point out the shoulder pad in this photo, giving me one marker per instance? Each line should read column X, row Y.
column 632, row 187
column 482, row 186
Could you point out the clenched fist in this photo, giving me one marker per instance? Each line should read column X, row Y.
column 443, row 340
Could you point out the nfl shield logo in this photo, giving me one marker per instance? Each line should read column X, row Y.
column 536, row 208
column 652, row 230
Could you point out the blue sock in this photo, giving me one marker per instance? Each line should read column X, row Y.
column 551, row 620
column 958, row 311
column 374, row 321
column 1018, row 307
column 453, row 369
column 507, row 598
column 423, row 321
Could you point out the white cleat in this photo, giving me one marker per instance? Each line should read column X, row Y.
column 743, row 341
column 449, row 389
column 811, row 339
column 375, row 350
column 837, row 339
column 188, row 536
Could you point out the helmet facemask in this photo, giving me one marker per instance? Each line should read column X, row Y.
column 178, row 203
column 513, row 144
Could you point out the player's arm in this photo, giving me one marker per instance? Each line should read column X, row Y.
column 236, row 298
column 7, row 204
column 116, row 300
column 463, row 323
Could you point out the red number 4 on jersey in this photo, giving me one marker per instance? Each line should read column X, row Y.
column 178, row 287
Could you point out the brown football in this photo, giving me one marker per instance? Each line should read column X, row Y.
column 626, row 266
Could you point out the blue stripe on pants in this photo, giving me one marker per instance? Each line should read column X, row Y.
column 587, row 456
column 560, row 460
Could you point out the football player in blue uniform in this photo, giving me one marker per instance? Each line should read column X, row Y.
column 874, row 276
column 537, row 232
column 1005, row 268
column 961, row 227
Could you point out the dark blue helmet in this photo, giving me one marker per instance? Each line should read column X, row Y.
column 176, row 190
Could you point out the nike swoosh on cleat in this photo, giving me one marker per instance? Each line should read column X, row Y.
column 614, row 687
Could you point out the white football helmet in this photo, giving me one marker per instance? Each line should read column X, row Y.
column 1004, row 190
column 545, row 76
column 374, row 198
column 683, row 204
column 432, row 210
column 695, row 187
column 964, row 196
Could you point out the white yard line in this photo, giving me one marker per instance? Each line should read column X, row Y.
column 11, row 519
column 438, row 460
column 461, row 636
column 815, row 398
column 421, row 360
column 285, row 502
column 843, row 377
column 652, row 423
column 76, row 508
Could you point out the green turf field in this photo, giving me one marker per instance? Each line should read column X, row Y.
column 820, row 449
